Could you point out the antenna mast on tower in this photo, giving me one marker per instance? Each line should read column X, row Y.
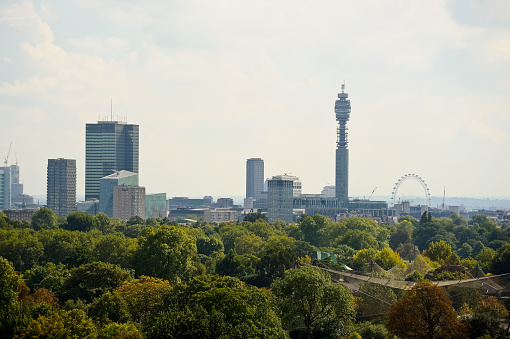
column 111, row 109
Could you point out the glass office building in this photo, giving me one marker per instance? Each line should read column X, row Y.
column 107, row 185
column 5, row 188
column 110, row 146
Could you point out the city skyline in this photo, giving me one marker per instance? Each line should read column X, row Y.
column 217, row 85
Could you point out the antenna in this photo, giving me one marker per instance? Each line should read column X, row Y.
column 343, row 87
column 444, row 193
column 111, row 109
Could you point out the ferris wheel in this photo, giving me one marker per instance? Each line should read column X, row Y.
column 411, row 178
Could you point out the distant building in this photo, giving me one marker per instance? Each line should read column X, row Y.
column 342, row 111
column 248, row 203
column 280, row 198
column 107, row 184
column 89, row 206
column 328, row 191
column 155, row 205
column 21, row 214
column 61, row 186
column 296, row 184
column 185, row 202
column 22, row 200
column 5, row 188
column 221, row 215
column 225, row 202
column 262, row 202
column 16, row 187
column 254, row 178
column 208, row 200
column 110, row 146
column 128, row 201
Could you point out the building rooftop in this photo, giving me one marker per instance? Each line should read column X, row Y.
column 119, row 175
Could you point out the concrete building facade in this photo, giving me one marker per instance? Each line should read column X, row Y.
column 128, row 201
column 61, row 186
column 296, row 183
column 107, row 185
column 110, row 146
column 280, row 199
column 221, row 215
column 342, row 111
column 254, row 179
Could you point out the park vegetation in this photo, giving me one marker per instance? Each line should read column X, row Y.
column 87, row 276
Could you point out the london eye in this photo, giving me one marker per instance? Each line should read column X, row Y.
column 410, row 178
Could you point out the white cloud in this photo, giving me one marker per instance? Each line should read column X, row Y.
column 213, row 83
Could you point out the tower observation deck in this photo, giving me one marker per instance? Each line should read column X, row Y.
column 342, row 111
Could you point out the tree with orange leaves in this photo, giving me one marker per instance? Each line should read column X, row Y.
column 425, row 312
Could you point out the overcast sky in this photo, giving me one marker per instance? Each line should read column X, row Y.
column 212, row 83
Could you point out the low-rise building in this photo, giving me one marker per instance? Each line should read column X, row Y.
column 22, row 214
column 221, row 215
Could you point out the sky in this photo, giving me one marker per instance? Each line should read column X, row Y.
column 213, row 83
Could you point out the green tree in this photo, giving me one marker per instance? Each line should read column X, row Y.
column 49, row 276
column 135, row 220
column 313, row 228
column 414, row 276
column 115, row 249
column 363, row 257
column 22, row 248
column 44, row 218
column 71, row 324
column 145, row 297
column 373, row 331
column 236, row 265
column 442, row 253
column 483, row 326
column 110, row 307
column 247, row 244
column 387, row 259
column 71, row 248
column 253, row 217
column 311, row 303
column 274, row 261
column 81, row 221
column 501, row 261
column 9, row 284
column 208, row 244
column 166, row 253
column 117, row 331
column 485, row 258
column 90, row 281
column 229, row 232
column 425, row 218
column 357, row 239
column 103, row 223
column 399, row 237
column 218, row 307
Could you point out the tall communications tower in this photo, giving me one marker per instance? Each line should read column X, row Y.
column 342, row 111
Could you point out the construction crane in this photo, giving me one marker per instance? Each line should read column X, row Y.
column 371, row 193
column 6, row 162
